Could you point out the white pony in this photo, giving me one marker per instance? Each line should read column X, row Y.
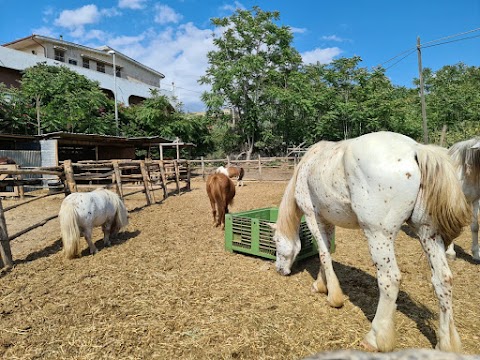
column 81, row 212
column 376, row 182
column 466, row 156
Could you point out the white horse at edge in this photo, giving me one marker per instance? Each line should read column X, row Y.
column 376, row 182
column 466, row 156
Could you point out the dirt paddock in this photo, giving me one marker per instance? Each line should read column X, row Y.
column 167, row 289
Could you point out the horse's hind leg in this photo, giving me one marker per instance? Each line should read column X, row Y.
column 107, row 231
column 382, row 334
column 474, row 230
column 448, row 338
column 214, row 210
column 91, row 245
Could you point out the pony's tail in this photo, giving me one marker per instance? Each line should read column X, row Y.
column 121, row 216
column 70, row 230
column 442, row 194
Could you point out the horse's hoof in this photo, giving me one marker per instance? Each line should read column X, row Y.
column 367, row 346
column 318, row 289
column 451, row 256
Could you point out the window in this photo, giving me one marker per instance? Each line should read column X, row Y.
column 101, row 67
column 119, row 73
column 86, row 63
column 72, row 62
column 59, row 55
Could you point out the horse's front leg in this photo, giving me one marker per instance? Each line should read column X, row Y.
column 448, row 338
column 327, row 281
column 474, row 230
column 88, row 236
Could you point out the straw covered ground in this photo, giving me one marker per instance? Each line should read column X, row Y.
column 167, row 289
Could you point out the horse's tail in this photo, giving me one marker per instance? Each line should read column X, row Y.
column 442, row 193
column 69, row 229
column 289, row 214
column 230, row 193
column 241, row 172
column 121, row 215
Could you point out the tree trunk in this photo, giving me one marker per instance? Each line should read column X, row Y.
column 37, row 107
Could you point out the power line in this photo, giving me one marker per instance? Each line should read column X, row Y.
column 198, row 92
column 395, row 63
column 451, row 36
column 451, row 41
column 426, row 45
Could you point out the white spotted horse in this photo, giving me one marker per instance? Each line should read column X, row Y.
column 80, row 212
column 376, row 182
column 466, row 156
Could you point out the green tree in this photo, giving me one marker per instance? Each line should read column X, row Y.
column 14, row 112
column 453, row 99
column 251, row 55
column 65, row 100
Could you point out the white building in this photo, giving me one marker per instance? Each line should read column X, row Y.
column 134, row 81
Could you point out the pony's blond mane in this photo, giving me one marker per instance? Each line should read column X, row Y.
column 466, row 159
column 289, row 214
column 442, row 193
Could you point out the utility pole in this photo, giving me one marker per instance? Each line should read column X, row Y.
column 111, row 52
column 422, row 94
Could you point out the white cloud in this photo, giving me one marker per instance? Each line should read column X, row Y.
column 296, row 30
column 94, row 35
column 165, row 14
column 124, row 41
column 323, row 56
column 72, row 19
column 45, row 31
column 333, row 38
column 180, row 54
column 131, row 4
column 233, row 8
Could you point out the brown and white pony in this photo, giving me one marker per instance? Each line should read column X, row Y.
column 232, row 172
column 6, row 161
column 221, row 191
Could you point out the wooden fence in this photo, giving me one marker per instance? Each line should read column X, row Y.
column 255, row 169
column 127, row 177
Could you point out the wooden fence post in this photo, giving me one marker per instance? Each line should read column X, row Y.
column 187, row 164
column 164, row 178
column 69, row 175
column 259, row 168
column 203, row 168
column 5, row 251
column 146, row 183
column 228, row 160
column 118, row 178
column 177, row 175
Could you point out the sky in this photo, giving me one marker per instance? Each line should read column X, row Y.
column 174, row 37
